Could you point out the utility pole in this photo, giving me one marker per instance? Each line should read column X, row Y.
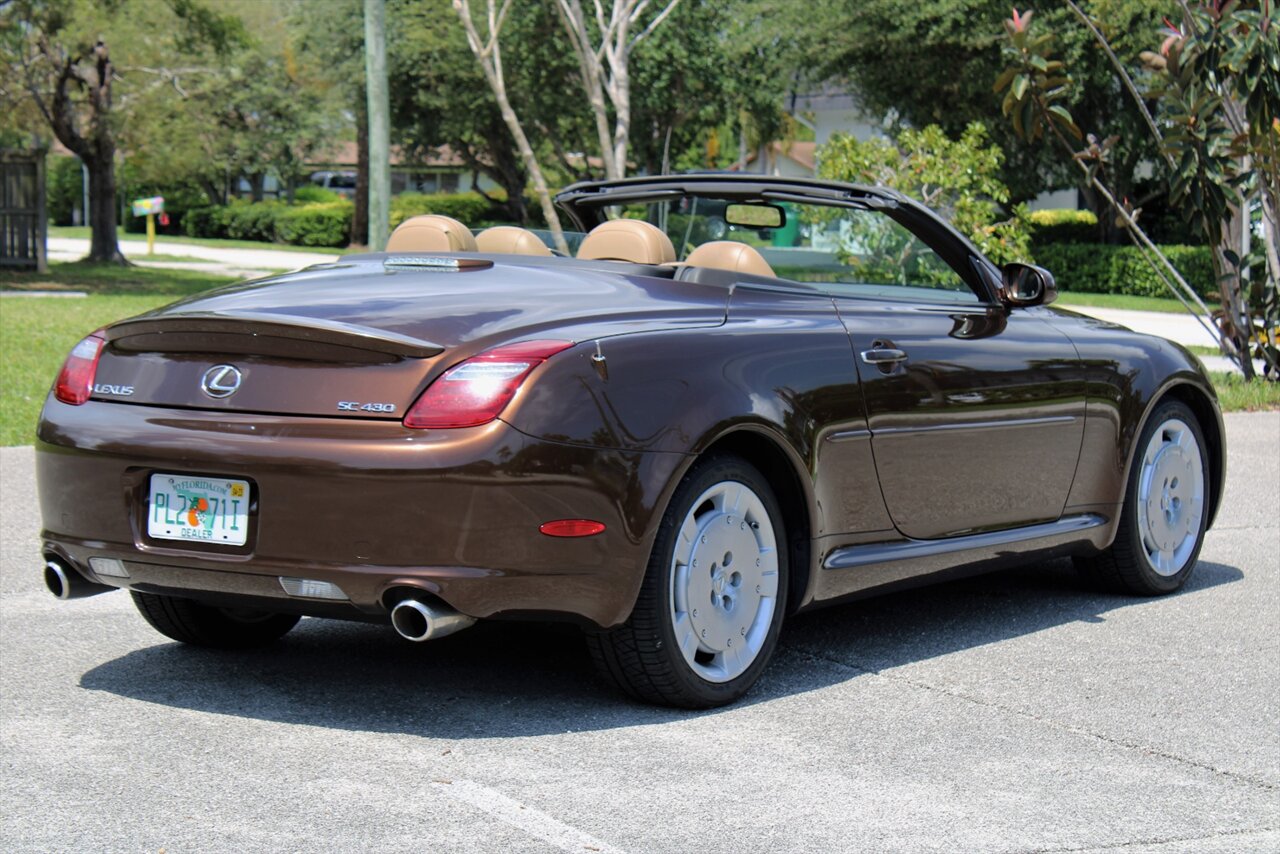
column 375, row 64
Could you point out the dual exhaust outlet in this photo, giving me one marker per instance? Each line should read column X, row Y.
column 413, row 619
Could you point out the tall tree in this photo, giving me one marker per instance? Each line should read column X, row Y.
column 488, row 51
column 442, row 103
column 91, row 69
column 932, row 62
column 330, row 42
column 71, row 84
column 603, row 44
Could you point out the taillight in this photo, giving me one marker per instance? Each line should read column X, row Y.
column 476, row 391
column 75, row 381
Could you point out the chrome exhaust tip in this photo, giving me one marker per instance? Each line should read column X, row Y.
column 65, row 583
column 55, row 578
column 419, row 621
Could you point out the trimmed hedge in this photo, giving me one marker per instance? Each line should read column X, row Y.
column 325, row 218
column 318, row 224
column 1104, row 269
column 310, row 193
column 1062, row 225
column 321, row 224
column 470, row 209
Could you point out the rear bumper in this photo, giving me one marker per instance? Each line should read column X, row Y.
column 368, row 506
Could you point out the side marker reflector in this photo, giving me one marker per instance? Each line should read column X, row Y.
column 571, row 528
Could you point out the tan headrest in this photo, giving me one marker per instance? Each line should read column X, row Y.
column 627, row 240
column 509, row 240
column 727, row 255
column 431, row 233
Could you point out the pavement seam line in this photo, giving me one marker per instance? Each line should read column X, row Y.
column 1049, row 722
column 532, row 821
column 1153, row 841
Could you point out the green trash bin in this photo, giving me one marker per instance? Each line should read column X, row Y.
column 789, row 233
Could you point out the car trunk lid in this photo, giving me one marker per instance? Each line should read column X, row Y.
column 362, row 339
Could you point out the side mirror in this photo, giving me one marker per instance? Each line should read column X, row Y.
column 1027, row 284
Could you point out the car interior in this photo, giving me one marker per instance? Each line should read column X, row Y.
column 626, row 240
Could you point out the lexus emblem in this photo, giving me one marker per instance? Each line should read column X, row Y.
column 220, row 381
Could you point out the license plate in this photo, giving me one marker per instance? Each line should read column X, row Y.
column 201, row 509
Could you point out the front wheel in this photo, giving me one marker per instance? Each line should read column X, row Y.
column 205, row 625
column 710, row 609
column 1165, row 512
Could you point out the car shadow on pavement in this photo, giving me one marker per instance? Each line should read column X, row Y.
column 503, row 679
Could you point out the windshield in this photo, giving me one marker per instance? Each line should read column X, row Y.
column 854, row 250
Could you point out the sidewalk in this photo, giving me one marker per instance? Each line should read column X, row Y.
column 248, row 263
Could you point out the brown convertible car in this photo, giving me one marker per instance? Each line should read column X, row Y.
column 672, row 440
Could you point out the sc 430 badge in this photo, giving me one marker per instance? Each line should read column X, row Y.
column 357, row 406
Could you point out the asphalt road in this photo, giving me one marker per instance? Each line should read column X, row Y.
column 1016, row 712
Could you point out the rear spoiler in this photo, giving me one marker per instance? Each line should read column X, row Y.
column 262, row 325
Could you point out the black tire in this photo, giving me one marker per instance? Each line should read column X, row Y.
column 1127, row 566
column 643, row 656
column 204, row 625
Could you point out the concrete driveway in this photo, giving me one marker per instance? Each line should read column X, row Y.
column 1016, row 712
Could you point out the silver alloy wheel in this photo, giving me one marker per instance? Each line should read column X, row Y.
column 724, row 581
column 1170, row 500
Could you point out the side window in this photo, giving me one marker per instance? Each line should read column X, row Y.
column 870, row 252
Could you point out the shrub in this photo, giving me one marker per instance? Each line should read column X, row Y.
column 1061, row 225
column 310, row 194
column 324, row 224
column 252, row 220
column 204, row 222
column 1104, row 269
column 471, row 209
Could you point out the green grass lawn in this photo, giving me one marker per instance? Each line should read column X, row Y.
column 82, row 232
column 36, row 333
column 111, row 279
column 1122, row 301
column 1236, row 395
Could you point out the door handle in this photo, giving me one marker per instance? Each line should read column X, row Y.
column 883, row 356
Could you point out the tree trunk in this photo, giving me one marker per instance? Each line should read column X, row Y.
column 210, row 190
column 102, row 211
column 490, row 58
column 360, row 218
column 257, row 184
column 509, row 173
column 1233, row 288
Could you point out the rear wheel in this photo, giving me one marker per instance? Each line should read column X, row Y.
column 710, row 609
column 204, row 625
column 1165, row 511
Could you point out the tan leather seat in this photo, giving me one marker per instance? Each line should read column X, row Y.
column 509, row 240
column 431, row 233
column 627, row 240
column 727, row 255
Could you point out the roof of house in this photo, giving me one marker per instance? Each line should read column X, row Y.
column 343, row 154
column 803, row 153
